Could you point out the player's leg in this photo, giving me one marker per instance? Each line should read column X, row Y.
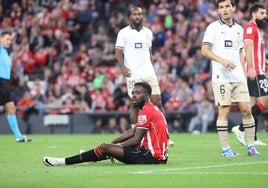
column 13, row 123
column 247, row 121
column 258, row 90
column 223, row 95
column 133, row 115
column 99, row 153
column 156, row 100
column 256, row 110
column 239, row 131
column 156, row 92
column 242, row 98
column 249, row 127
column 222, row 126
column 6, row 100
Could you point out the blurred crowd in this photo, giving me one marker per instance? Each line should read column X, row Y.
column 64, row 61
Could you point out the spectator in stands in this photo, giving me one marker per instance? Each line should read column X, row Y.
column 84, row 18
column 120, row 95
column 67, row 106
column 189, row 105
column 68, row 93
column 98, row 127
column 81, row 56
column 27, row 106
column 99, row 78
column 36, row 39
column 73, row 26
column 80, row 105
column 108, row 57
column 112, row 126
column 110, row 104
column 176, row 125
column 83, row 93
column 174, row 103
column 49, row 45
column 98, row 101
column 203, row 119
column 74, row 77
column 112, row 28
column 123, row 124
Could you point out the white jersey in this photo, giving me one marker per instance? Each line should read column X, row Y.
column 136, row 45
column 226, row 42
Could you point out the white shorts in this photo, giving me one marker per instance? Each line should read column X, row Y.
column 227, row 93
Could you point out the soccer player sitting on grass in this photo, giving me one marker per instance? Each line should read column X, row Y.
column 146, row 143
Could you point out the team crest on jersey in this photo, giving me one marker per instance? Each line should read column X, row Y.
column 249, row 30
column 142, row 119
column 238, row 35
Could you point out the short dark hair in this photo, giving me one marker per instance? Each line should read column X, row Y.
column 233, row 2
column 255, row 7
column 132, row 9
column 5, row 33
column 146, row 86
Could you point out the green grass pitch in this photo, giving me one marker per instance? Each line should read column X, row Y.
column 194, row 161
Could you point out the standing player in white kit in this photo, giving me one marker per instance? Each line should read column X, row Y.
column 134, row 54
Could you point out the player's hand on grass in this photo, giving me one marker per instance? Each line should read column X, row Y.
column 112, row 160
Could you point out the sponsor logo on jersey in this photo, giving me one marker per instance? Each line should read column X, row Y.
column 228, row 43
column 142, row 119
column 138, row 45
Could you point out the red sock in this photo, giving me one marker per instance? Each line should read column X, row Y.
column 98, row 152
column 260, row 106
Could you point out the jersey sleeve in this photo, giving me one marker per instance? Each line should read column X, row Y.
column 151, row 35
column 209, row 35
column 120, row 43
column 249, row 32
column 143, row 119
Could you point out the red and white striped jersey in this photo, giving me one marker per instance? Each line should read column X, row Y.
column 251, row 32
column 156, row 139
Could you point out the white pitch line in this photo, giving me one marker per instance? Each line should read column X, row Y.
column 179, row 169
column 219, row 173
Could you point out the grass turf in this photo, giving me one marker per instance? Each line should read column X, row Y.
column 194, row 161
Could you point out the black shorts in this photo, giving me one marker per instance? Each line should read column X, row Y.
column 258, row 87
column 139, row 155
column 5, row 95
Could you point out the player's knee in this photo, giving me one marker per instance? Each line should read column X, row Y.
column 104, row 148
column 246, row 112
column 11, row 110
